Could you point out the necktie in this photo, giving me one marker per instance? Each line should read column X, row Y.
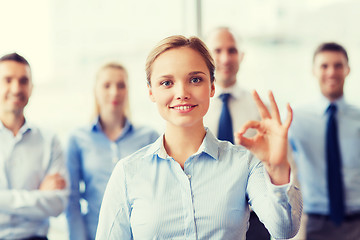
column 334, row 176
column 225, row 124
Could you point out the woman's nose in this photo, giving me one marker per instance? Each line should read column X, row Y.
column 182, row 92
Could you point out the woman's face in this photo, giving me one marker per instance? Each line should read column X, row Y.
column 181, row 87
column 111, row 90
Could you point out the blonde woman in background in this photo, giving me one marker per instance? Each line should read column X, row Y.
column 94, row 150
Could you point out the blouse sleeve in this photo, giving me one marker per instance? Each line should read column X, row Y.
column 76, row 224
column 114, row 219
column 278, row 207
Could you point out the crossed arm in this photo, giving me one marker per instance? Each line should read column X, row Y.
column 49, row 199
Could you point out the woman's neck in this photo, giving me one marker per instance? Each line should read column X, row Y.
column 112, row 125
column 182, row 142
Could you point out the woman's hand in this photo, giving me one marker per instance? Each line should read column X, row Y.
column 271, row 142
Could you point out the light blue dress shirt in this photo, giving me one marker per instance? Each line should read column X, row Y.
column 149, row 196
column 307, row 137
column 25, row 159
column 91, row 158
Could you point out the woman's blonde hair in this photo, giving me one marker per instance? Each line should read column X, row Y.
column 119, row 66
column 178, row 41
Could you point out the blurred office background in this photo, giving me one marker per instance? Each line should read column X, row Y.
column 66, row 41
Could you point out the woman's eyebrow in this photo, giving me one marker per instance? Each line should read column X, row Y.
column 196, row 72
column 165, row 76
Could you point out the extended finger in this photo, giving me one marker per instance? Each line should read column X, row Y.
column 264, row 113
column 274, row 108
column 289, row 117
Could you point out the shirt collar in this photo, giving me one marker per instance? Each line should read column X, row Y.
column 208, row 146
column 157, row 148
column 24, row 128
column 235, row 91
column 324, row 104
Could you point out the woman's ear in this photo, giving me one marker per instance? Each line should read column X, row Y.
column 212, row 89
column 151, row 96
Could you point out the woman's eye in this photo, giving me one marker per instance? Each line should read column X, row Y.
column 106, row 85
column 196, row 80
column 165, row 83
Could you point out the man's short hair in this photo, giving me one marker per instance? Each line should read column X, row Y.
column 14, row 57
column 235, row 35
column 331, row 46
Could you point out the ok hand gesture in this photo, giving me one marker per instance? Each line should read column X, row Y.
column 271, row 142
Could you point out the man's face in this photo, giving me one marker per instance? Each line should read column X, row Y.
column 227, row 58
column 331, row 68
column 15, row 86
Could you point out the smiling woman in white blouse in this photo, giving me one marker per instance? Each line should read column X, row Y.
column 188, row 184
